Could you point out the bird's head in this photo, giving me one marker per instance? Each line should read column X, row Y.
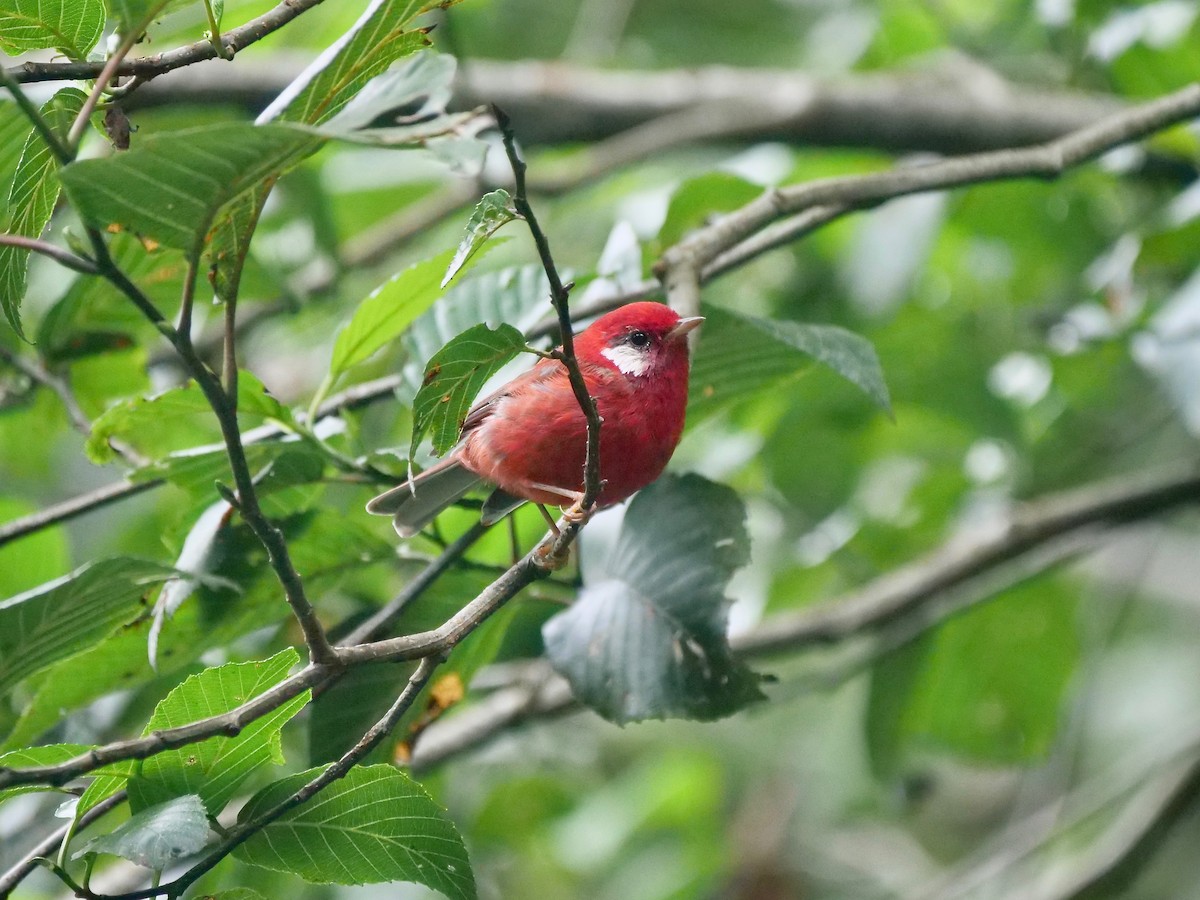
column 638, row 339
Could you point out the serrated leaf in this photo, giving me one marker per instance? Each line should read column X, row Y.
column 31, row 199
column 170, row 187
column 381, row 35
column 453, row 377
column 374, row 825
column 492, row 212
column 214, row 769
column 46, row 755
column 70, row 26
column 154, row 424
column 646, row 639
column 386, row 312
column 236, row 894
column 67, row 615
column 158, row 836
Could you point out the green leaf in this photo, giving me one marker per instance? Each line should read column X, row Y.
column 171, row 186
column 236, row 894
column 158, row 836
column 380, row 37
column 61, row 618
column 492, row 212
column 850, row 355
column 374, row 825
column 46, row 755
column 70, row 26
column 356, row 702
column 698, row 199
column 387, row 312
column 958, row 688
column 214, row 769
column 135, row 16
column 158, row 424
column 740, row 356
column 31, row 199
column 646, row 639
column 453, row 377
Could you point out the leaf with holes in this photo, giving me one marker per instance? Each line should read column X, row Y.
column 454, row 376
column 492, row 212
column 214, row 769
column 374, row 825
column 71, row 27
column 158, row 836
column 31, row 199
column 646, row 639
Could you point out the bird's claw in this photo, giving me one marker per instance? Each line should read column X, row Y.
column 545, row 557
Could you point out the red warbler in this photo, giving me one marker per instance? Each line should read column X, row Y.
column 529, row 438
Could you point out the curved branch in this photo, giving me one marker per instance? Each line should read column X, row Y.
column 1048, row 160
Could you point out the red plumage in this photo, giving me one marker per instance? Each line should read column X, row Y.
column 529, row 438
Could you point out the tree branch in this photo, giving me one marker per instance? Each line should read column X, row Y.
column 1049, row 160
column 952, row 107
column 147, row 67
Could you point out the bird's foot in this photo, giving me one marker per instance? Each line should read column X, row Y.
column 545, row 557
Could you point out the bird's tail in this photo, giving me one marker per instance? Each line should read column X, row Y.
column 413, row 505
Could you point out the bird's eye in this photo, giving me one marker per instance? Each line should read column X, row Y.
column 639, row 339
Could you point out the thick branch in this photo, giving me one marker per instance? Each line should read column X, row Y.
column 952, row 109
column 1049, row 160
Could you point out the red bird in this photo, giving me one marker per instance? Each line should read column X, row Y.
column 529, row 438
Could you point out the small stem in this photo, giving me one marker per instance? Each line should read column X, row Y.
column 229, row 368
column 214, row 32
column 184, row 326
column 63, row 257
column 318, row 398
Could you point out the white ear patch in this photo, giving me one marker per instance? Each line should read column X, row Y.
column 630, row 360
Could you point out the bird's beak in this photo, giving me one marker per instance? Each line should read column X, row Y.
column 683, row 326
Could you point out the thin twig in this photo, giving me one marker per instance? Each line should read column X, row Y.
column 61, row 151
column 60, row 255
column 147, row 67
column 559, row 297
column 387, row 613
